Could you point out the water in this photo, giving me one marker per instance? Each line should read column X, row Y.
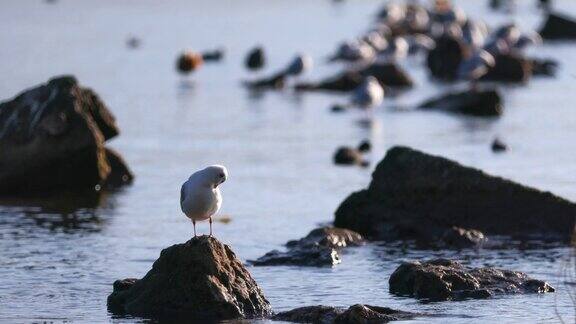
column 58, row 263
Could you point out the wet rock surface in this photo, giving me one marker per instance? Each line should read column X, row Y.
column 318, row 248
column 354, row 314
column 558, row 27
column 52, row 138
column 481, row 103
column 417, row 196
column 199, row 279
column 443, row 61
column 442, row 279
column 457, row 237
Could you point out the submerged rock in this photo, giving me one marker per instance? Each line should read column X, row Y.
column 442, row 279
column 318, row 248
column 52, row 139
column 417, row 196
column 487, row 103
column 354, row 314
column 349, row 156
column 558, row 27
column 200, row 279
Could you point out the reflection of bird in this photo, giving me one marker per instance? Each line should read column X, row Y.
column 188, row 62
column 368, row 94
column 255, row 59
column 200, row 196
column 301, row 64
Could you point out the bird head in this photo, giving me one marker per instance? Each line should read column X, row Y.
column 213, row 175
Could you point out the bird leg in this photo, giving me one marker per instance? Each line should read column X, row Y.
column 194, row 225
column 210, row 221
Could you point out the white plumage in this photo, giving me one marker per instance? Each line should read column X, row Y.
column 200, row 196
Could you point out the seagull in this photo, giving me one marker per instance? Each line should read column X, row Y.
column 369, row 94
column 200, row 196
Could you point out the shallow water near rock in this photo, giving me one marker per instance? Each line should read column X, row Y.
column 58, row 260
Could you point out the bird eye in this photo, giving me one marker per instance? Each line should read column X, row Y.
column 221, row 175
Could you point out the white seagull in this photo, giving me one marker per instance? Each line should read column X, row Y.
column 200, row 196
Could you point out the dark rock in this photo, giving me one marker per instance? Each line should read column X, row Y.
column 346, row 81
column 457, row 237
column 389, row 75
column 318, row 248
column 311, row 256
column 416, row 196
column 443, row 61
column 255, row 59
column 276, row 81
column 544, row 67
column 498, row 146
column 331, row 237
column 52, row 139
column 509, row 68
column 200, row 279
column 213, row 55
column 365, row 146
column 119, row 175
column 355, row 314
column 442, row 279
column 189, row 62
column 349, row 156
column 558, row 27
column 481, row 103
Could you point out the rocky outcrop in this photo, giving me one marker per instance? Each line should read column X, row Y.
column 52, row 138
column 417, row 196
column 481, row 103
column 442, row 279
column 389, row 75
column 319, row 248
column 201, row 279
column 355, row 314
column 558, row 27
column 456, row 237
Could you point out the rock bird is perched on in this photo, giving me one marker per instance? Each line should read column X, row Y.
column 200, row 196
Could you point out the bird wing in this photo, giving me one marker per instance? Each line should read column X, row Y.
column 182, row 193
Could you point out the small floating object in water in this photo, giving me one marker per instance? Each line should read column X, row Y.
column 188, row 62
column 213, row 55
column 200, row 196
column 255, row 60
column 365, row 146
column 338, row 108
column 133, row 42
column 349, row 156
column 498, row 146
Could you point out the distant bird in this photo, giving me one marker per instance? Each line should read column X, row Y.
column 300, row 64
column 255, row 60
column 213, row 55
column 476, row 66
column 133, row 42
column 376, row 40
column 528, row 39
column 369, row 94
column 200, row 196
column 509, row 33
column 474, row 33
column 397, row 50
column 498, row 146
column 445, row 13
column 353, row 51
column 420, row 43
column 392, row 14
column 188, row 62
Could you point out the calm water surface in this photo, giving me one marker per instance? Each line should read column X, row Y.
column 58, row 263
